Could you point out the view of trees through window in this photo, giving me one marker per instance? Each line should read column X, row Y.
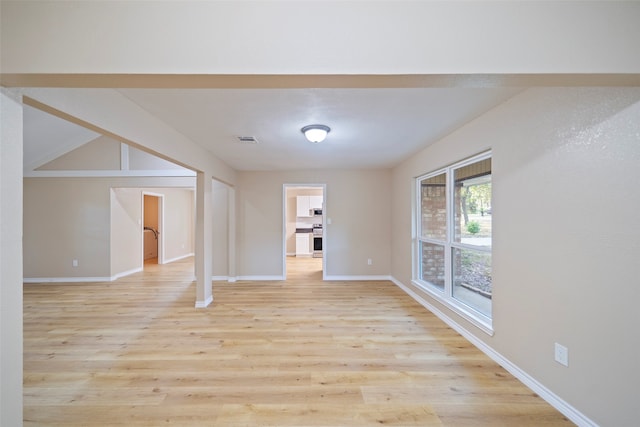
column 455, row 237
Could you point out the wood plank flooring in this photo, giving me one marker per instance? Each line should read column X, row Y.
column 303, row 352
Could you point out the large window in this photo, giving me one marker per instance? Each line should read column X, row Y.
column 453, row 241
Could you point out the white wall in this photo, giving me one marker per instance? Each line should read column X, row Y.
column 565, row 239
column 220, row 198
column 349, row 240
column 66, row 219
column 11, row 134
column 72, row 218
column 125, row 243
column 101, row 153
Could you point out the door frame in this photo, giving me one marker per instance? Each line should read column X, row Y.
column 160, row 225
column 325, row 257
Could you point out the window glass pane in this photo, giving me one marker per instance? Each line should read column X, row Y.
column 472, row 279
column 433, row 208
column 472, row 204
column 432, row 264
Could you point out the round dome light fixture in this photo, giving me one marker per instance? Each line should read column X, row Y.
column 316, row 133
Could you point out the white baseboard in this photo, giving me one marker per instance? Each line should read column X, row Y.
column 65, row 279
column 229, row 279
column 167, row 261
column 80, row 279
column 126, row 273
column 362, row 278
column 554, row 400
column 260, row 278
column 205, row 303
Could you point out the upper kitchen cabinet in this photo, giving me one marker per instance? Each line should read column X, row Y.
column 305, row 205
column 315, row 202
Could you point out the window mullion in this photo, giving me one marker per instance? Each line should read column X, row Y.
column 450, row 235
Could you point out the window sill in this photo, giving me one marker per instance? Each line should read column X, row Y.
column 481, row 322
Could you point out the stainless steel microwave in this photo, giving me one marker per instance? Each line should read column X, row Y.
column 317, row 212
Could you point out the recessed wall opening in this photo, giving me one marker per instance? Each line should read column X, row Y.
column 304, row 237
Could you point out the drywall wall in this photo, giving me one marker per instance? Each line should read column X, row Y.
column 220, row 211
column 103, row 153
column 565, row 240
column 126, row 226
column 71, row 218
column 349, row 240
column 384, row 37
column 124, row 242
column 11, row 134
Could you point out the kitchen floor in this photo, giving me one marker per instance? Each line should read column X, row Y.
column 304, row 268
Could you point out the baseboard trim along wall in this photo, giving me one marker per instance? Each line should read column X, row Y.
column 205, row 303
column 362, row 278
column 567, row 410
column 259, row 278
column 229, row 279
column 126, row 273
column 65, row 279
column 167, row 261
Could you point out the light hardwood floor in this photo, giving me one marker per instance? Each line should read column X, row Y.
column 303, row 352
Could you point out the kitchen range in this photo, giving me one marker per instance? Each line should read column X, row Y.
column 317, row 240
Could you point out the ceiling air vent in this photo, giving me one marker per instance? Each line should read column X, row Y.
column 247, row 139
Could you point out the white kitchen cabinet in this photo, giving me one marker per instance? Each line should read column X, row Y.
column 306, row 204
column 303, row 206
column 303, row 244
column 315, row 202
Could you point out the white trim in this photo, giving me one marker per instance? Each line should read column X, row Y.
column 205, row 303
column 285, row 188
column 261, row 278
column 126, row 273
column 363, row 278
column 124, row 156
column 65, row 279
column 109, row 173
column 445, row 297
column 458, row 308
column 178, row 258
column 554, row 400
column 223, row 279
column 232, row 279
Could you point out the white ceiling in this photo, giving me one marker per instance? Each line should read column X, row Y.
column 370, row 128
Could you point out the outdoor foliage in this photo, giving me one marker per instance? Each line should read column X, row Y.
column 473, row 227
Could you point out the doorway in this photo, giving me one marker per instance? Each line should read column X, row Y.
column 304, row 234
column 152, row 230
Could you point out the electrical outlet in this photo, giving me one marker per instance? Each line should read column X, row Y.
column 562, row 354
column 369, row 261
column 74, row 263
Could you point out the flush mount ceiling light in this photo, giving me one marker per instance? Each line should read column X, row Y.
column 316, row 133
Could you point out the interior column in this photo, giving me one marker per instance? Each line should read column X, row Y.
column 11, row 136
column 204, row 240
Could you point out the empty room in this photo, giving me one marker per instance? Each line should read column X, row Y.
column 343, row 213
